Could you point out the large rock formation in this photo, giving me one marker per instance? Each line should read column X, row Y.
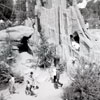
column 59, row 22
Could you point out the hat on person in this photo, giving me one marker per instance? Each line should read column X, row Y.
column 31, row 72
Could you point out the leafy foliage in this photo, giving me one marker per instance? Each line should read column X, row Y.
column 6, row 51
column 2, row 97
column 4, row 73
column 45, row 52
column 5, row 54
column 86, row 85
column 6, row 9
column 92, row 13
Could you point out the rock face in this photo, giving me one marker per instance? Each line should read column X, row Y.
column 59, row 23
column 16, row 33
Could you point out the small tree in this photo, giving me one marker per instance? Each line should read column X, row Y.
column 5, row 53
column 45, row 52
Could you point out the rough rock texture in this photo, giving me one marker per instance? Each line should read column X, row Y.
column 59, row 23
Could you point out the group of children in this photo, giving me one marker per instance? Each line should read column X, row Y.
column 31, row 82
column 31, row 85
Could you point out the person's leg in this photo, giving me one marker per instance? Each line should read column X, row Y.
column 58, row 77
column 27, row 90
column 13, row 88
column 30, row 89
column 32, row 92
column 10, row 90
column 54, row 80
column 60, row 83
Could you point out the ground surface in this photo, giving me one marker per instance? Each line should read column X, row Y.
column 46, row 89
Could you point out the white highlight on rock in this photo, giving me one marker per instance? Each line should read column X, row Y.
column 82, row 5
column 95, row 1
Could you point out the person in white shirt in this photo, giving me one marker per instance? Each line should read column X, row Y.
column 27, row 89
column 75, row 45
column 12, row 84
column 86, row 24
column 54, row 74
column 31, row 79
column 75, row 41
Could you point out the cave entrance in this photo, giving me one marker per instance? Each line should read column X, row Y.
column 76, row 37
column 24, row 47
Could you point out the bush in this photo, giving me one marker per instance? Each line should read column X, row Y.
column 4, row 73
column 45, row 52
column 2, row 97
column 86, row 84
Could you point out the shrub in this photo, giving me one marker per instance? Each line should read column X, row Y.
column 2, row 97
column 5, row 53
column 4, row 73
column 86, row 84
column 45, row 52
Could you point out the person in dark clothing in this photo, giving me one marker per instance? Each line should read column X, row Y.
column 28, row 89
column 58, row 76
column 56, row 61
column 57, row 73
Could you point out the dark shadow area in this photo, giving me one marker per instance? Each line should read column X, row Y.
column 23, row 47
column 56, row 61
column 39, row 24
column 76, row 37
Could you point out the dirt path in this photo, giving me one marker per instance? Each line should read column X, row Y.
column 46, row 89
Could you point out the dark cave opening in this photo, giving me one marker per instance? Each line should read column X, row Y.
column 24, row 47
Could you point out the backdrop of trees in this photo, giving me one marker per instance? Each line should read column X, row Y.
column 92, row 9
column 6, row 9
